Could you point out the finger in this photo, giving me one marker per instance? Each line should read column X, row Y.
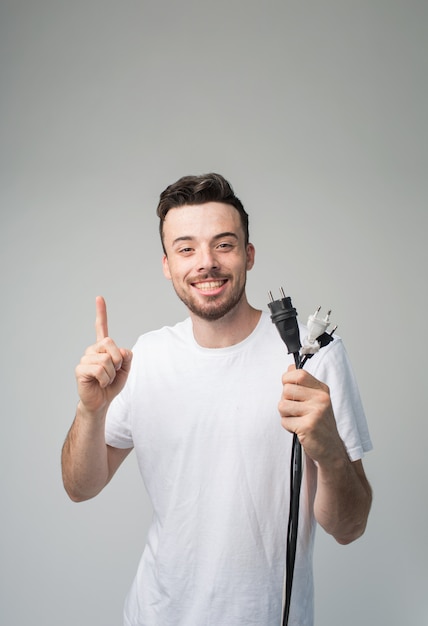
column 101, row 327
column 292, row 376
column 301, row 377
column 291, row 424
column 88, row 373
column 101, row 359
column 108, row 348
column 126, row 360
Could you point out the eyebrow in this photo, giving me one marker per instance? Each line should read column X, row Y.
column 215, row 238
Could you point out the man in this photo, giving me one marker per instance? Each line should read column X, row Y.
column 203, row 406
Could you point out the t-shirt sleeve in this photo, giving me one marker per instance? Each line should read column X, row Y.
column 332, row 366
column 118, row 429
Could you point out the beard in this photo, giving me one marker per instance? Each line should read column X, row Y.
column 214, row 307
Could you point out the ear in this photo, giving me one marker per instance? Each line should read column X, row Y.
column 251, row 253
column 165, row 267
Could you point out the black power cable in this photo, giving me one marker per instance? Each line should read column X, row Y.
column 284, row 316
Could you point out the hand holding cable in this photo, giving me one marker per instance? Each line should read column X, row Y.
column 284, row 316
column 305, row 409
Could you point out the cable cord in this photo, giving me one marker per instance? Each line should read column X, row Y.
column 284, row 316
column 293, row 516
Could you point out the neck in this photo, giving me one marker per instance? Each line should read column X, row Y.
column 229, row 330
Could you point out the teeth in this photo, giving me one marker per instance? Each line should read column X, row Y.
column 214, row 284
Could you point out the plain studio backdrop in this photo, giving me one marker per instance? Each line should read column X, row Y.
column 317, row 113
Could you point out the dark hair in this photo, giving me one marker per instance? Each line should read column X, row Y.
column 199, row 190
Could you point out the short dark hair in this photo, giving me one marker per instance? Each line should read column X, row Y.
column 199, row 190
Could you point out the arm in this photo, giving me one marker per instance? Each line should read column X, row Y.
column 343, row 497
column 88, row 463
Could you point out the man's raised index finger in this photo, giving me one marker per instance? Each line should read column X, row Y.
column 101, row 327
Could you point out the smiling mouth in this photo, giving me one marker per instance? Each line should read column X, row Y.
column 209, row 285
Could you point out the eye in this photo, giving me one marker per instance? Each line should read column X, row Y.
column 224, row 245
column 185, row 250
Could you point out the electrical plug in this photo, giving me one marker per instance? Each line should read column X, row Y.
column 317, row 326
column 317, row 336
column 284, row 316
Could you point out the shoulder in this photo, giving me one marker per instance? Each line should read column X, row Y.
column 167, row 335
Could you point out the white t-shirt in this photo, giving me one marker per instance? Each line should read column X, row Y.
column 215, row 461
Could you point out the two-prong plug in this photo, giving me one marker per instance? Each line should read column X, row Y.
column 317, row 326
column 317, row 336
column 284, row 316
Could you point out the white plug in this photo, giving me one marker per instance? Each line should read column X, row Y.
column 316, row 327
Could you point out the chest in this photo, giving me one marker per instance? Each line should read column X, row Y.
column 216, row 401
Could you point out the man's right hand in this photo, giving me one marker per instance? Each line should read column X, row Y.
column 104, row 368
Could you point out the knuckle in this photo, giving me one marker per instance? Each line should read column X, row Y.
column 104, row 358
column 300, row 376
column 103, row 376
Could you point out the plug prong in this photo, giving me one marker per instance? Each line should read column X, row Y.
column 270, row 296
column 281, row 291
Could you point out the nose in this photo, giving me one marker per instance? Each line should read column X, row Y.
column 207, row 261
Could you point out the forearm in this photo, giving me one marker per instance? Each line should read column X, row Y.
column 84, row 459
column 343, row 499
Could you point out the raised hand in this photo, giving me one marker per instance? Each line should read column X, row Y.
column 103, row 369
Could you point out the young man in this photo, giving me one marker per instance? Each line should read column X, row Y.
column 210, row 413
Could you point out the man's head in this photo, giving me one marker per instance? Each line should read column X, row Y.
column 204, row 231
column 191, row 190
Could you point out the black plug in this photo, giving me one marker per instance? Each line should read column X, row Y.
column 284, row 316
column 326, row 338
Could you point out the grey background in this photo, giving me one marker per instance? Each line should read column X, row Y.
column 316, row 112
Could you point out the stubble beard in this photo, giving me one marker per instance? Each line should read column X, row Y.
column 211, row 310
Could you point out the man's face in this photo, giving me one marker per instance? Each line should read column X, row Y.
column 206, row 257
